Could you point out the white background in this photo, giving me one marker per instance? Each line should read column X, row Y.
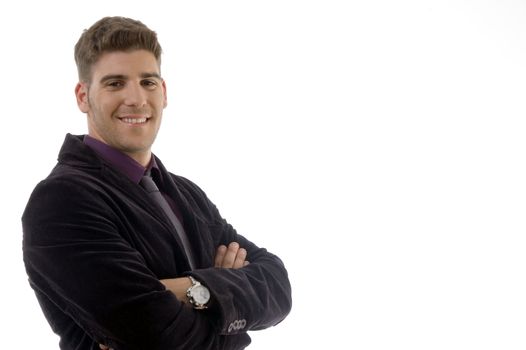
column 378, row 147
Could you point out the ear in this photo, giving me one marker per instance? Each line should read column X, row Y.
column 81, row 92
column 165, row 99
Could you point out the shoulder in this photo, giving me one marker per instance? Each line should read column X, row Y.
column 68, row 179
column 196, row 198
column 65, row 189
column 189, row 186
column 66, row 205
column 189, row 189
column 184, row 185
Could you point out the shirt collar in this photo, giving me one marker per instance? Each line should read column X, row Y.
column 118, row 160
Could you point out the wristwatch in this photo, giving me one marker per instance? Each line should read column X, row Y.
column 198, row 295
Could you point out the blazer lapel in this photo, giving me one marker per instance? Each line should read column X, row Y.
column 138, row 195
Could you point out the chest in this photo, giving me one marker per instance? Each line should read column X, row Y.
column 146, row 228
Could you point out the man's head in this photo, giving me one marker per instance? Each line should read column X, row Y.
column 111, row 34
column 120, row 86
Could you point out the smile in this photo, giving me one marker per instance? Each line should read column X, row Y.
column 134, row 120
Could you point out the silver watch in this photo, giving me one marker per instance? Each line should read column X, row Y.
column 198, row 295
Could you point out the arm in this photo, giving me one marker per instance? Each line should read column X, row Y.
column 256, row 296
column 231, row 257
column 76, row 257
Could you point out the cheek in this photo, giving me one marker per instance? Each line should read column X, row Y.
column 106, row 106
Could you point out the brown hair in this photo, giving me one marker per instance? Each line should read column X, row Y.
column 113, row 34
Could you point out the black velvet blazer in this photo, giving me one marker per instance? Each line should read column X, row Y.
column 95, row 248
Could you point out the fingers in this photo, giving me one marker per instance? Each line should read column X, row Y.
column 220, row 255
column 231, row 257
column 239, row 259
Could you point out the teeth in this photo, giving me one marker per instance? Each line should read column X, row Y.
column 134, row 120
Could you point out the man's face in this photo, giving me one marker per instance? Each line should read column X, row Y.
column 124, row 101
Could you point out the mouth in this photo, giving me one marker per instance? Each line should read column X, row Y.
column 134, row 120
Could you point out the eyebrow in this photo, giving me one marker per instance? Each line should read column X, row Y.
column 125, row 77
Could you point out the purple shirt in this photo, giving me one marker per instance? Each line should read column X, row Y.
column 128, row 167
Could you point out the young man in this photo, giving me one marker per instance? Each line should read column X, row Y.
column 123, row 254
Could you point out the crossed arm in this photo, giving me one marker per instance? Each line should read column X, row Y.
column 68, row 233
column 231, row 257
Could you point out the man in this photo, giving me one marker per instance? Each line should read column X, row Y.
column 123, row 254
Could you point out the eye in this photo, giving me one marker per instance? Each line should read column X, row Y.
column 115, row 84
column 149, row 83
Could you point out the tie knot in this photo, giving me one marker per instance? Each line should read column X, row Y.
column 148, row 184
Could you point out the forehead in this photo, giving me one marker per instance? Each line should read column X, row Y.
column 129, row 63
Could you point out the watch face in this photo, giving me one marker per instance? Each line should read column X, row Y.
column 201, row 294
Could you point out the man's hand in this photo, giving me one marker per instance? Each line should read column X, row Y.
column 231, row 257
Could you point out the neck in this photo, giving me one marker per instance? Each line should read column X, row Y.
column 143, row 158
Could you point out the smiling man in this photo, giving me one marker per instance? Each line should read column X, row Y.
column 124, row 100
column 123, row 254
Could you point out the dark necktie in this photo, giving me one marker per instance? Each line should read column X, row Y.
column 149, row 185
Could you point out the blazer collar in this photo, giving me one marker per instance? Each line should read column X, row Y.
column 75, row 153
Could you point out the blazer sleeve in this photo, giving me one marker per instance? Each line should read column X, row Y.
column 76, row 257
column 254, row 297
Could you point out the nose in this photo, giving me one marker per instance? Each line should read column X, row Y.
column 135, row 96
